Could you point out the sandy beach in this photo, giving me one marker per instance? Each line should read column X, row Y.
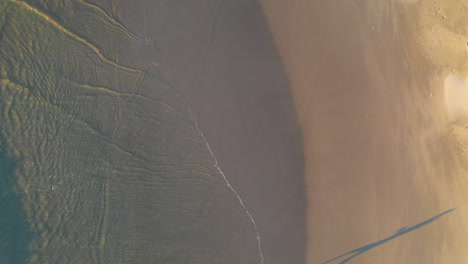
column 255, row 132
column 381, row 152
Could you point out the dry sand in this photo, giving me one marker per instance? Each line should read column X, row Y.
column 381, row 151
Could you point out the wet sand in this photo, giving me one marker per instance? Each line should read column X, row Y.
column 221, row 57
column 380, row 151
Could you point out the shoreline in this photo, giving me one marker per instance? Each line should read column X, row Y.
column 221, row 57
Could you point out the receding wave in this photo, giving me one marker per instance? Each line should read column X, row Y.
column 112, row 167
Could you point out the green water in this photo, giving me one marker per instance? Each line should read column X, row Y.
column 15, row 236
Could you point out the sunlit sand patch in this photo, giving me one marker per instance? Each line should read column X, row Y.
column 456, row 101
column 442, row 39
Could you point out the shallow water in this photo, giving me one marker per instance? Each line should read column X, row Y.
column 15, row 233
column 111, row 166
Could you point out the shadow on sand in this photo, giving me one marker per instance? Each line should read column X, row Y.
column 400, row 232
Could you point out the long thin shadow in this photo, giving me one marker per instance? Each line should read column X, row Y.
column 400, row 232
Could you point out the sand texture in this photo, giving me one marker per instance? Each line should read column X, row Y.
column 381, row 151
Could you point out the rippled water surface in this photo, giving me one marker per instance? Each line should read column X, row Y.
column 102, row 158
